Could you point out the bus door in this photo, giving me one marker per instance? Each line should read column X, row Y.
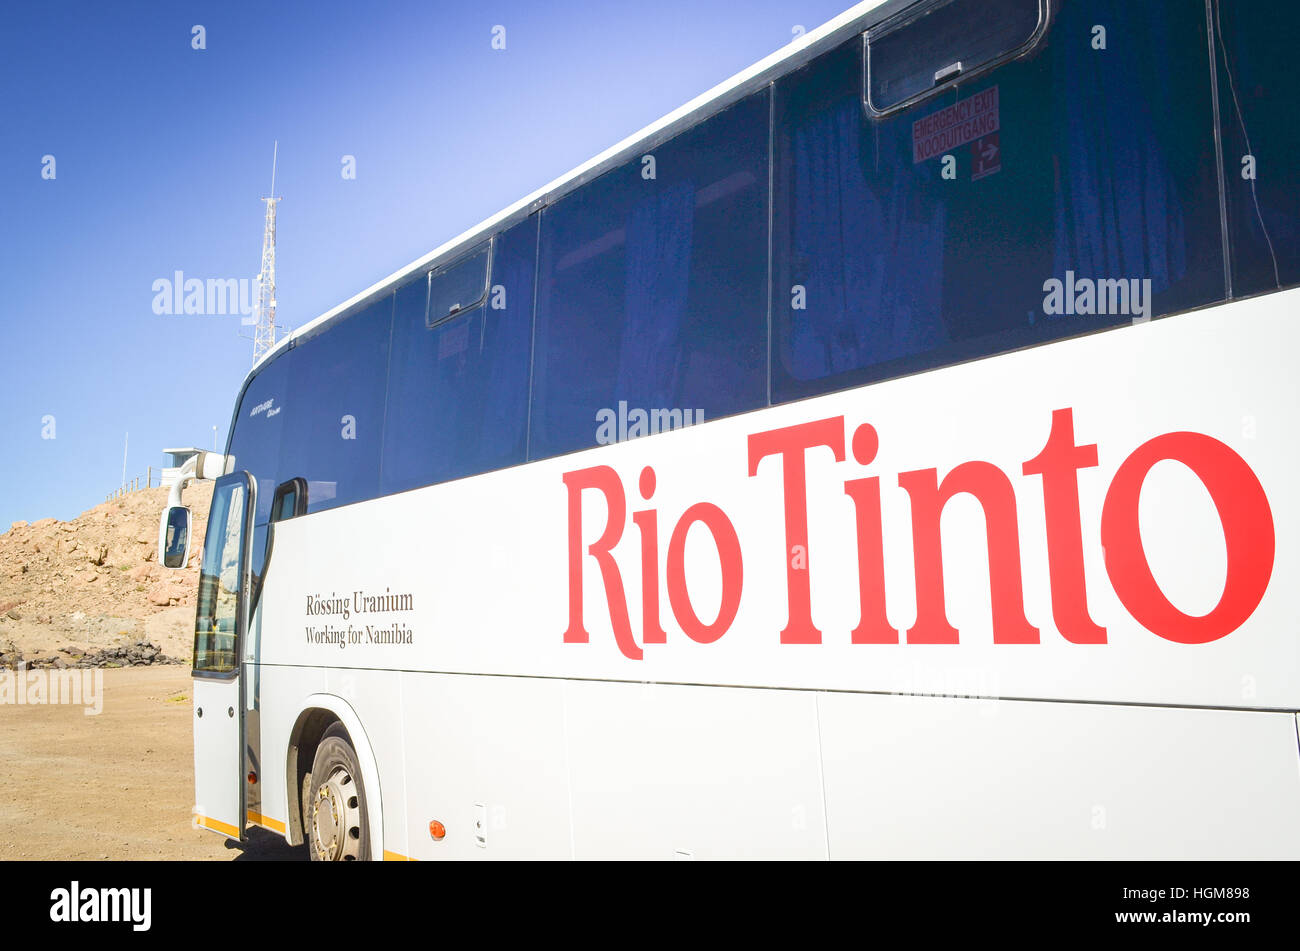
column 220, row 627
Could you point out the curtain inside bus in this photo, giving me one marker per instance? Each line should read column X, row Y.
column 1090, row 161
column 650, row 357
column 1259, row 86
column 652, row 288
column 457, row 400
column 1118, row 208
column 869, row 246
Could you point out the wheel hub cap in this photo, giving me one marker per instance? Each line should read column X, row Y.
column 336, row 818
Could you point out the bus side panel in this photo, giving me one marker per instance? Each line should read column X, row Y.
column 663, row 771
column 493, row 741
column 934, row 777
column 376, row 698
column 498, row 601
column 280, row 697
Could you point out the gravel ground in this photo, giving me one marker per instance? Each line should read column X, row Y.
column 118, row 785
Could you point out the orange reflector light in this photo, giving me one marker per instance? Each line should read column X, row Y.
column 252, row 777
column 437, row 830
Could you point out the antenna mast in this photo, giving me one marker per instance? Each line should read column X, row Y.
column 264, row 333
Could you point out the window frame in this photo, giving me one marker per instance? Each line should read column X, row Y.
column 915, row 12
column 242, row 479
column 487, row 248
column 298, row 486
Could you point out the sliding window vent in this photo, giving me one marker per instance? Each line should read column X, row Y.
column 935, row 43
column 458, row 287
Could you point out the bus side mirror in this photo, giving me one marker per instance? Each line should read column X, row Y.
column 174, row 537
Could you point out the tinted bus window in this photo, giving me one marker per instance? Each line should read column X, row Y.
column 1259, row 86
column 458, row 391
column 334, row 410
column 651, row 292
column 1068, row 191
column 255, row 438
column 459, row 286
column 942, row 41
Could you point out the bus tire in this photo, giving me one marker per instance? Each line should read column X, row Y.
column 335, row 818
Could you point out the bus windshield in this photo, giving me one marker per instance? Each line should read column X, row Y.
column 216, row 625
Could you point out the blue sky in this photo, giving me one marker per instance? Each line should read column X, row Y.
column 161, row 153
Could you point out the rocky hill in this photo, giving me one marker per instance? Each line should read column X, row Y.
column 91, row 591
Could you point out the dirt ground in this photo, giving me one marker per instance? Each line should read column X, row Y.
column 119, row 785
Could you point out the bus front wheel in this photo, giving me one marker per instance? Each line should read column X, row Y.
column 335, row 811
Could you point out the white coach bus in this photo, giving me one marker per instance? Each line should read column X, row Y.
column 890, row 453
